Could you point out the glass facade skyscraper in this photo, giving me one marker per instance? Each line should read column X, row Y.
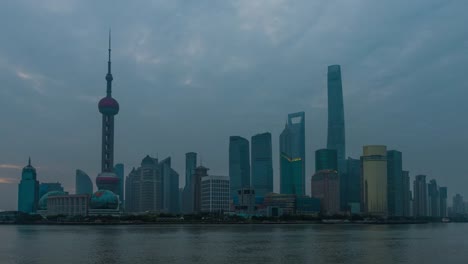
column 350, row 184
column 83, row 183
column 336, row 124
column 374, row 176
column 325, row 159
column 292, row 155
column 262, row 164
column 420, row 196
column 239, row 164
column 187, row 195
column 28, row 190
column 119, row 171
column 395, row 183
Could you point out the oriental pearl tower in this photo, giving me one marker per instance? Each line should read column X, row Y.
column 108, row 107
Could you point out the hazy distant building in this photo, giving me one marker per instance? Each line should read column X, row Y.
column 374, row 174
column 420, row 196
column 187, row 196
column 109, row 108
column 434, row 199
column 45, row 187
column 246, row 201
column 170, row 182
column 325, row 185
column 292, row 155
column 200, row 173
column 443, row 201
column 350, row 185
column 239, row 164
column 262, row 164
column 83, row 183
column 326, row 159
column 119, row 170
column 336, row 123
column 395, row 183
column 215, row 194
column 28, row 190
column 458, row 204
column 406, row 194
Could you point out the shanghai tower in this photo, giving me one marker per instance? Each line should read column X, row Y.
column 336, row 124
column 108, row 107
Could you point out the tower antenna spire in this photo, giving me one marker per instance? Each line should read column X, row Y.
column 109, row 77
column 29, row 161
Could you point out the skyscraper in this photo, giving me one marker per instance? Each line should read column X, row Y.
column 239, row 164
column 336, row 124
column 83, row 184
column 406, row 194
column 443, row 201
column 119, row 170
column 374, row 184
column 108, row 107
column 350, row 185
column 325, row 185
column 420, row 196
column 28, row 190
column 200, row 173
column 187, row 195
column 326, row 159
column 433, row 199
column 292, row 155
column 170, row 182
column 458, row 204
column 395, row 183
column 262, row 164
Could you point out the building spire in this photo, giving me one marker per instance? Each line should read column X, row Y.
column 29, row 161
column 109, row 77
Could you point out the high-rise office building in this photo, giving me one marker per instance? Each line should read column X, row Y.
column 83, row 183
column 119, row 170
column 326, row 159
column 458, row 205
column 374, row 172
column 200, row 173
column 336, row 123
column 420, row 196
column 170, row 182
column 215, row 194
column 443, row 201
column 45, row 187
column 108, row 107
column 406, row 194
column 395, row 183
column 239, row 164
column 28, row 190
column 187, row 196
column 325, row 185
column 292, row 155
column 350, row 185
column 433, row 199
column 262, row 164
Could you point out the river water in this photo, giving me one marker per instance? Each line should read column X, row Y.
column 425, row 243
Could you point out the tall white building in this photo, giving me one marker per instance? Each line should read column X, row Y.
column 215, row 194
column 375, row 179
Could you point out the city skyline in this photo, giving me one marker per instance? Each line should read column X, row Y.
column 38, row 91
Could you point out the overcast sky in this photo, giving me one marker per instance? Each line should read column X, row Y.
column 188, row 74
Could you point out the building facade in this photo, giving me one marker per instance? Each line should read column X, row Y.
column 68, row 205
column 200, row 173
column 83, row 183
column 187, row 195
column 262, row 164
column 350, row 185
column 336, row 123
column 325, row 185
column 374, row 176
column 119, row 170
column 406, row 194
column 433, row 199
column 420, row 196
column 292, row 155
column 239, row 164
column 28, row 190
column 326, row 159
column 45, row 187
column 395, row 183
column 443, row 201
column 215, row 194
